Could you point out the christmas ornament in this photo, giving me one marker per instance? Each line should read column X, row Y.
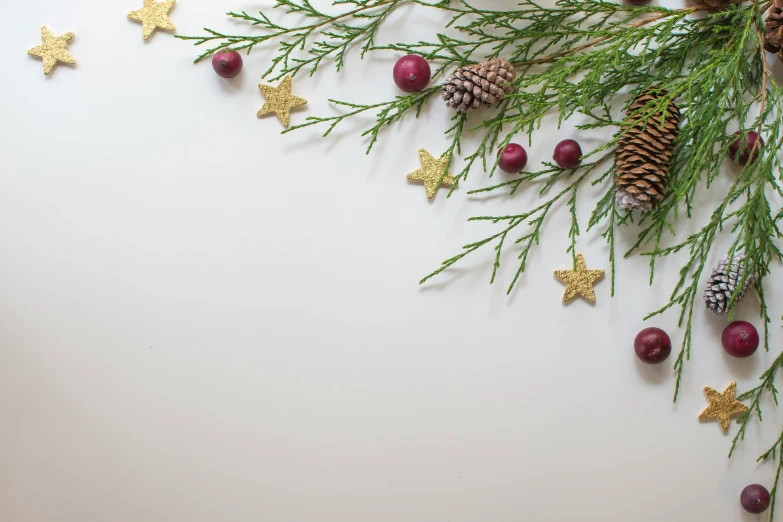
column 411, row 73
column 513, row 158
column 431, row 171
column 153, row 15
column 755, row 499
column 740, row 339
column 479, row 85
column 579, row 281
column 644, row 153
column 723, row 284
column 53, row 49
column 568, row 154
column 745, row 150
column 227, row 64
column 722, row 405
column 280, row 101
column 773, row 27
column 652, row 345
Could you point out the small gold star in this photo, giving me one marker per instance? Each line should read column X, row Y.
column 431, row 171
column 53, row 49
column 722, row 405
column 579, row 281
column 280, row 100
column 154, row 15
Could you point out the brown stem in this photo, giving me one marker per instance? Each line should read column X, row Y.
column 635, row 25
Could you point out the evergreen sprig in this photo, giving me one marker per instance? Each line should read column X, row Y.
column 589, row 58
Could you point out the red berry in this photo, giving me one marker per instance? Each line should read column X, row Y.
column 652, row 345
column 744, row 147
column 638, row 3
column 412, row 73
column 755, row 499
column 740, row 339
column 227, row 64
column 513, row 158
column 568, row 154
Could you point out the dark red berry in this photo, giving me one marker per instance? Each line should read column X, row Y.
column 513, row 158
column 652, row 345
column 227, row 64
column 638, row 3
column 743, row 147
column 755, row 499
column 568, row 154
column 412, row 73
column 740, row 339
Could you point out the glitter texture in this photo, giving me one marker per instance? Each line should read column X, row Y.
column 431, row 171
column 280, row 100
column 53, row 49
column 722, row 405
column 154, row 15
column 579, row 281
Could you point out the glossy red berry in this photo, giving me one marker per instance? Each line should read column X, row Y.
column 227, row 64
column 568, row 154
column 743, row 147
column 755, row 499
column 412, row 73
column 513, row 158
column 652, row 345
column 740, row 339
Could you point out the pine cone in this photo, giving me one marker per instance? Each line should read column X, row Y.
column 479, row 85
column 723, row 283
column 644, row 153
column 773, row 26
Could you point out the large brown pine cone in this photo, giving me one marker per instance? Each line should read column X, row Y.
column 479, row 85
column 644, row 152
column 773, row 26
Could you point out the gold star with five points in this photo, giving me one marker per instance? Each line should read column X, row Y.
column 53, row 49
column 579, row 281
column 154, row 15
column 280, row 100
column 431, row 171
column 722, row 405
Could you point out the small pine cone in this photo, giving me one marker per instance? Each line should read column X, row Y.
column 723, row 284
column 773, row 27
column 644, row 153
column 479, row 85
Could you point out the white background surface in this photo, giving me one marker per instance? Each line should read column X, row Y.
column 202, row 320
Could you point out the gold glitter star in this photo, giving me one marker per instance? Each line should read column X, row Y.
column 53, row 49
column 154, row 15
column 579, row 281
column 280, row 100
column 722, row 405
column 430, row 172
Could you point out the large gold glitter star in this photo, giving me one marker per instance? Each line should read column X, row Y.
column 153, row 15
column 280, row 100
column 579, row 281
column 722, row 405
column 53, row 49
column 431, row 171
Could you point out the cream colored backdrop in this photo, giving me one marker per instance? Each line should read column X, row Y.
column 202, row 320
